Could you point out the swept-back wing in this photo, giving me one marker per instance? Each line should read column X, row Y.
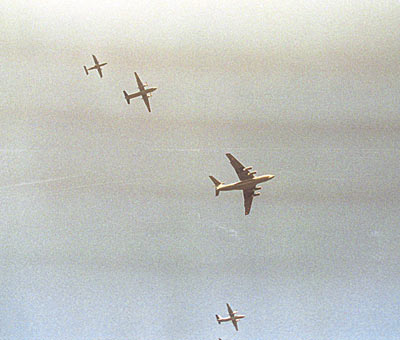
column 248, row 200
column 139, row 83
column 146, row 101
column 241, row 171
column 95, row 59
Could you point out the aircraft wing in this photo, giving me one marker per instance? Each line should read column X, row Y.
column 95, row 59
column 234, row 321
column 139, row 83
column 146, row 101
column 230, row 311
column 239, row 168
column 101, row 73
column 248, row 200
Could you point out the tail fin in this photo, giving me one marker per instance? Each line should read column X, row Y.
column 86, row 70
column 216, row 183
column 126, row 97
column 218, row 317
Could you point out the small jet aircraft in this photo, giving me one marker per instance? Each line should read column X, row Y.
column 145, row 93
column 248, row 182
column 96, row 66
column 233, row 316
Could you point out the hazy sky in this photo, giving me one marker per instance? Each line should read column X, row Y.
column 109, row 226
column 293, row 32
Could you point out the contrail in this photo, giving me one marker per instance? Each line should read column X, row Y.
column 37, row 182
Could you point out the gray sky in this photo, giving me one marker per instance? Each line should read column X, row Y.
column 110, row 228
column 294, row 32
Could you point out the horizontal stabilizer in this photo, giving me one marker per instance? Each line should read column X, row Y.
column 215, row 181
column 218, row 317
column 126, row 97
column 86, row 70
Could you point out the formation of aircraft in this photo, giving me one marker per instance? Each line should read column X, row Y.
column 233, row 316
column 145, row 93
column 97, row 66
column 247, row 182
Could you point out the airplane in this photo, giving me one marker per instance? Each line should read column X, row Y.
column 145, row 93
column 233, row 316
column 96, row 66
column 247, row 182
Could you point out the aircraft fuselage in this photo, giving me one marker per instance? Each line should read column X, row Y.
column 97, row 66
column 149, row 90
column 246, row 184
column 140, row 93
column 236, row 317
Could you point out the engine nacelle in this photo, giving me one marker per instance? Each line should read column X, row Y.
column 248, row 168
column 256, row 194
column 257, row 188
column 252, row 172
column 234, row 312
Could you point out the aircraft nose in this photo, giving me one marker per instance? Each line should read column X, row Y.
column 271, row 176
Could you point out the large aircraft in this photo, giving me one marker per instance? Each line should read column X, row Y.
column 145, row 93
column 248, row 182
column 96, row 66
column 233, row 316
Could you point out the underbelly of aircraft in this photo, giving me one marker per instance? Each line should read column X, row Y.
column 240, row 186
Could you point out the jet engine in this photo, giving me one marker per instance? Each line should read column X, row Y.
column 252, row 172
column 256, row 194
column 257, row 188
column 248, row 168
